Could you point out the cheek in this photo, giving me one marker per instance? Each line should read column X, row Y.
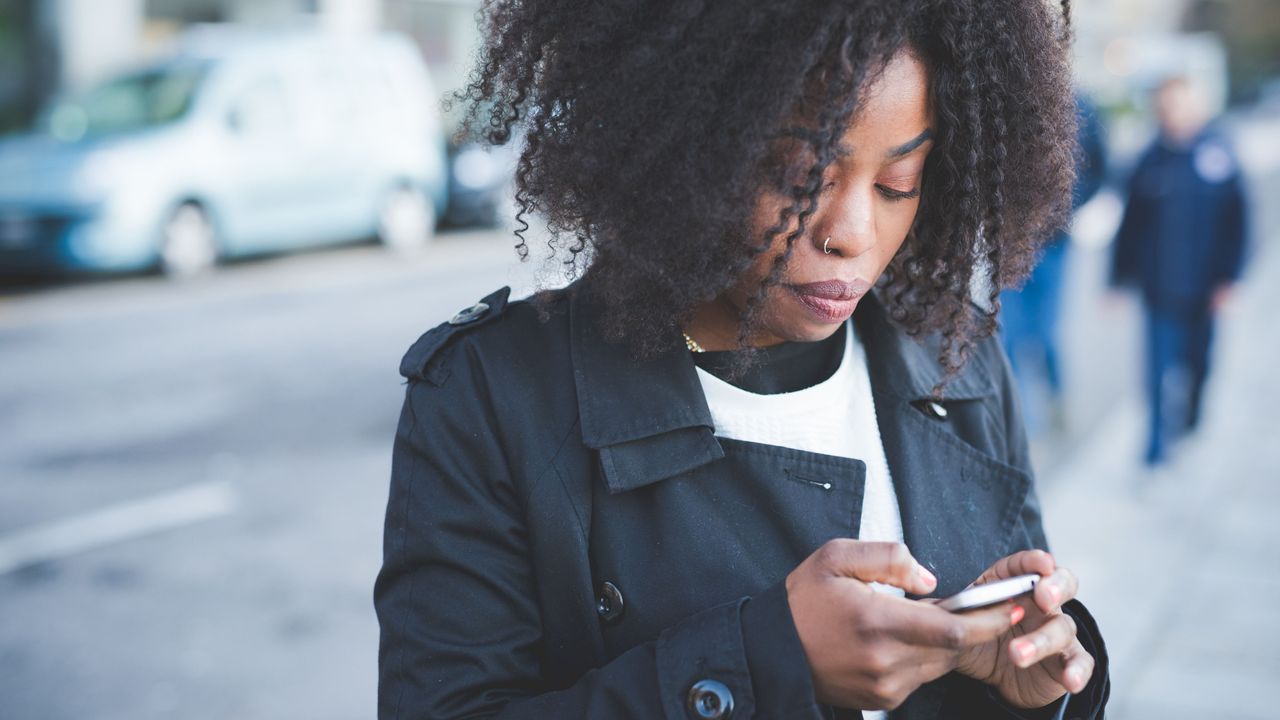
column 894, row 225
column 899, row 224
column 764, row 216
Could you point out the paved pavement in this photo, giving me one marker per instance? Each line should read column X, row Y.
column 1181, row 569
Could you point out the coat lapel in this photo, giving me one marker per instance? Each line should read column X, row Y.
column 960, row 505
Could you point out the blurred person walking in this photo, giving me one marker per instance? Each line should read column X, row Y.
column 1181, row 244
column 1029, row 316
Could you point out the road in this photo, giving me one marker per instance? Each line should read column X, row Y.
column 192, row 481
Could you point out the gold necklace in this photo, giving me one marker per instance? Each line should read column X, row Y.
column 692, row 344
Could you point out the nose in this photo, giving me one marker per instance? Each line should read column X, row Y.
column 850, row 229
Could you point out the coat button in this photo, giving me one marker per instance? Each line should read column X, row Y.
column 471, row 314
column 710, row 700
column 936, row 410
column 609, row 604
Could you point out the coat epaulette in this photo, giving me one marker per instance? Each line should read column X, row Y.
column 423, row 360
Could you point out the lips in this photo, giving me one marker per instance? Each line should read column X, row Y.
column 831, row 300
column 835, row 289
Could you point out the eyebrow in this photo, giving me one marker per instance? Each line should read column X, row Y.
column 911, row 144
column 843, row 150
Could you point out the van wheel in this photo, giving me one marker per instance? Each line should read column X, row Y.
column 189, row 244
column 407, row 220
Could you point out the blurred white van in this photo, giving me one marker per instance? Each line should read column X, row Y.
column 242, row 142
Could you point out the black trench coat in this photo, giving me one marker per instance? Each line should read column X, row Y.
column 567, row 538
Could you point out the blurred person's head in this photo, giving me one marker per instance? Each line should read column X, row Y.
column 720, row 155
column 1181, row 109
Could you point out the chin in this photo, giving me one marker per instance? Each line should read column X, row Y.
column 805, row 329
column 791, row 320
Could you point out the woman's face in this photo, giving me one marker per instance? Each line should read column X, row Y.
column 869, row 200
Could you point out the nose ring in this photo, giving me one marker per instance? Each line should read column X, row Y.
column 826, row 249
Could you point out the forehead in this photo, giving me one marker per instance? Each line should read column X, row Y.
column 893, row 116
column 894, row 100
column 895, row 104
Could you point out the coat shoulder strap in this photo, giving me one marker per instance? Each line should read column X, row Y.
column 423, row 360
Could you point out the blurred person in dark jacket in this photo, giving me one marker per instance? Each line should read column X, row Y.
column 1029, row 316
column 1181, row 244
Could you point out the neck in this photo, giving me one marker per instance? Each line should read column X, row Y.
column 1182, row 137
column 714, row 325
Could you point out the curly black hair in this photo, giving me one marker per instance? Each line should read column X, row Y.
column 649, row 128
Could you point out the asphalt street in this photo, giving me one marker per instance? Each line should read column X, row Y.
column 192, row 482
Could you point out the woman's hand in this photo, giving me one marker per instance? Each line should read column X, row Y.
column 1039, row 659
column 870, row 650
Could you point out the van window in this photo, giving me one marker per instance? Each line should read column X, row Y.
column 261, row 109
column 132, row 102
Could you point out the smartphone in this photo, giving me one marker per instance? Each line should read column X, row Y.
column 990, row 593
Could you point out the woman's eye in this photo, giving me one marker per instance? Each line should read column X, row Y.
column 892, row 193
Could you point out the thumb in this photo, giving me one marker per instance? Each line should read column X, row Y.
column 889, row 563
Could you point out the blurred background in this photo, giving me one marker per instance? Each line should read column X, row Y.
column 223, row 221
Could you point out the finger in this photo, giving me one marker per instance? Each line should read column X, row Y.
column 1051, row 638
column 1078, row 668
column 1071, row 668
column 1026, row 562
column 927, row 625
column 1056, row 589
column 883, row 562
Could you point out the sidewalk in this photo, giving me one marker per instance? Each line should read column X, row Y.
column 1182, row 571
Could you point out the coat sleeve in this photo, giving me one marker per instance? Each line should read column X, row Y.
column 461, row 630
column 1230, row 251
column 1127, row 249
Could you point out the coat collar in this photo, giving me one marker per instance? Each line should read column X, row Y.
column 620, row 399
column 650, row 421
column 908, row 367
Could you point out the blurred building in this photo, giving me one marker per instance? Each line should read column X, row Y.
column 1127, row 45
column 47, row 46
column 1122, row 48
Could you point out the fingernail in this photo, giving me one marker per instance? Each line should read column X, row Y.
column 1055, row 594
column 1024, row 650
column 926, row 576
column 1017, row 614
column 1075, row 676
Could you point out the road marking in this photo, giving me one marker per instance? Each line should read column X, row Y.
column 114, row 523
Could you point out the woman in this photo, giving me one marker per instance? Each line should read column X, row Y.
column 724, row 472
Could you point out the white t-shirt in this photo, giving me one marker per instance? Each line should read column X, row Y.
column 835, row 417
